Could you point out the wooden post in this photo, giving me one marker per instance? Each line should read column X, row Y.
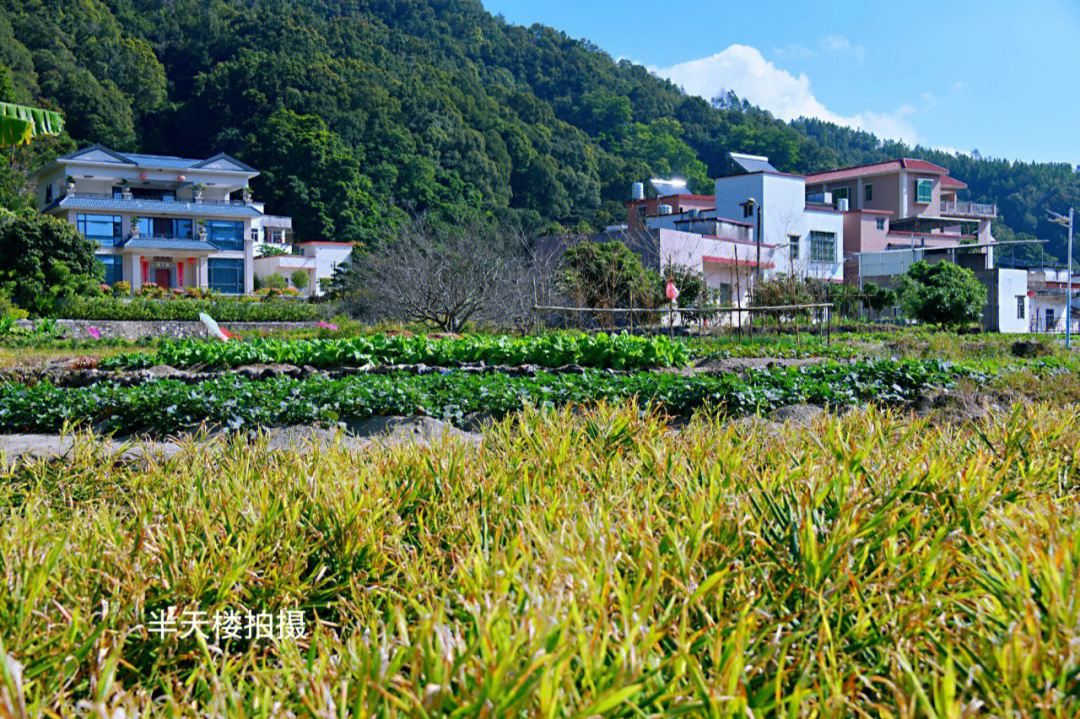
column 535, row 312
column 631, row 312
column 828, row 326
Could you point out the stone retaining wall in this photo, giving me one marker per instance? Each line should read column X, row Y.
column 137, row 329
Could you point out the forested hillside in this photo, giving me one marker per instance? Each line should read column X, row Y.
column 360, row 112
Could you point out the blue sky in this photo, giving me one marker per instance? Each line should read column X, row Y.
column 997, row 77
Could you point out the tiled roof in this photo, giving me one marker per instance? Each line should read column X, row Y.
column 156, row 206
column 165, row 161
column 846, row 173
column 169, row 243
column 952, row 182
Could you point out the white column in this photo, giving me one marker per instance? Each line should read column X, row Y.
column 249, row 266
column 858, row 193
column 202, row 273
column 133, row 271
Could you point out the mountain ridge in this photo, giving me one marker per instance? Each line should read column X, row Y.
column 405, row 106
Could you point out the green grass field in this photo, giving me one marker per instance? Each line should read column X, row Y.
column 575, row 564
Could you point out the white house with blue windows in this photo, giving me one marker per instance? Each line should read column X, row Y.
column 173, row 221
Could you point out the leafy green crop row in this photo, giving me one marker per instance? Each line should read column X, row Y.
column 224, row 310
column 235, row 402
column 621, row 351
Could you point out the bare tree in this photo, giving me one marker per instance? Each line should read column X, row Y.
column 447, row 276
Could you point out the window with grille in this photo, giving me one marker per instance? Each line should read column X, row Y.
column 822, row 246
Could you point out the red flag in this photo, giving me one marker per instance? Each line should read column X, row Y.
column 672, row 292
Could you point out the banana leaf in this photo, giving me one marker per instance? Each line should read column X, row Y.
column 43, row 122
column 15, row 131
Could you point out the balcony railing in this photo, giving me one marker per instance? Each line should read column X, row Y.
column 968, row 209
column 110, row 196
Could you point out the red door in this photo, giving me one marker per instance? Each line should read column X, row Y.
column 162, row 278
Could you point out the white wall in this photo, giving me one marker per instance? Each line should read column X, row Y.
column 782, row 201
column 1012, row 284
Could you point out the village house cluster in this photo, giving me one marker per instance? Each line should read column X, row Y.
column 857, row 225
column 184, row 223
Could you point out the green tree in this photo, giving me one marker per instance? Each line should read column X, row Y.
column 46, row 261
column 878, row 298
column 300, row 279
column 606, row 274
column 942, row 294
column 309, row 173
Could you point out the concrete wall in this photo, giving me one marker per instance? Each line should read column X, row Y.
column 134, row 330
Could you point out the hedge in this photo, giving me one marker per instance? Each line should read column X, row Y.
column 222, row 310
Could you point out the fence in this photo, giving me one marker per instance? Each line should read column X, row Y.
column 778, row 312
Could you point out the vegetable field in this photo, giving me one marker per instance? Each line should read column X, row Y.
column 233, row 402
column 621, row 351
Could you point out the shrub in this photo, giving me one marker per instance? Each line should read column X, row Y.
column 121, row 288
column 150, row 289
column 606, row 274
column 942, row 294
column 687, row 281
column 223, row 310
column 46, row 261
column 275, row 282
column 300, row 279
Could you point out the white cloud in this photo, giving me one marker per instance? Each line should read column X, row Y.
column 840, row 45
column 794, row 52
column 743, row 70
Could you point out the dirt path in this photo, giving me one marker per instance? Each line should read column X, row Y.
column 738, row 365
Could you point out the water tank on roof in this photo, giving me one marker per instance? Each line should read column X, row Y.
column 664, row 209
column 693, row 213
column 842, row 204
column 637, row 191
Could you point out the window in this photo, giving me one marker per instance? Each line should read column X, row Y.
column 225, row 235
column 1020, row 302
column 868, row 193
column 924, row 191
column 881, row 224
column 747, row 210
column 1049, row 318
column 114, row 268
column 48, row 193
column 793, row 243
column 723, row 295
column 840, row 193
column 226, row 276
column 102, row 228
column 822, row 246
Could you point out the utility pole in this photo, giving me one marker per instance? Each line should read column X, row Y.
column 755, row 208
column 1067, row 221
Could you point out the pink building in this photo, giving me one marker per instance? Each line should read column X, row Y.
column 898, row 204
column 919, row 196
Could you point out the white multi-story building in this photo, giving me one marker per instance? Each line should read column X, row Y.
column 718, row 236
column 173, row 221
